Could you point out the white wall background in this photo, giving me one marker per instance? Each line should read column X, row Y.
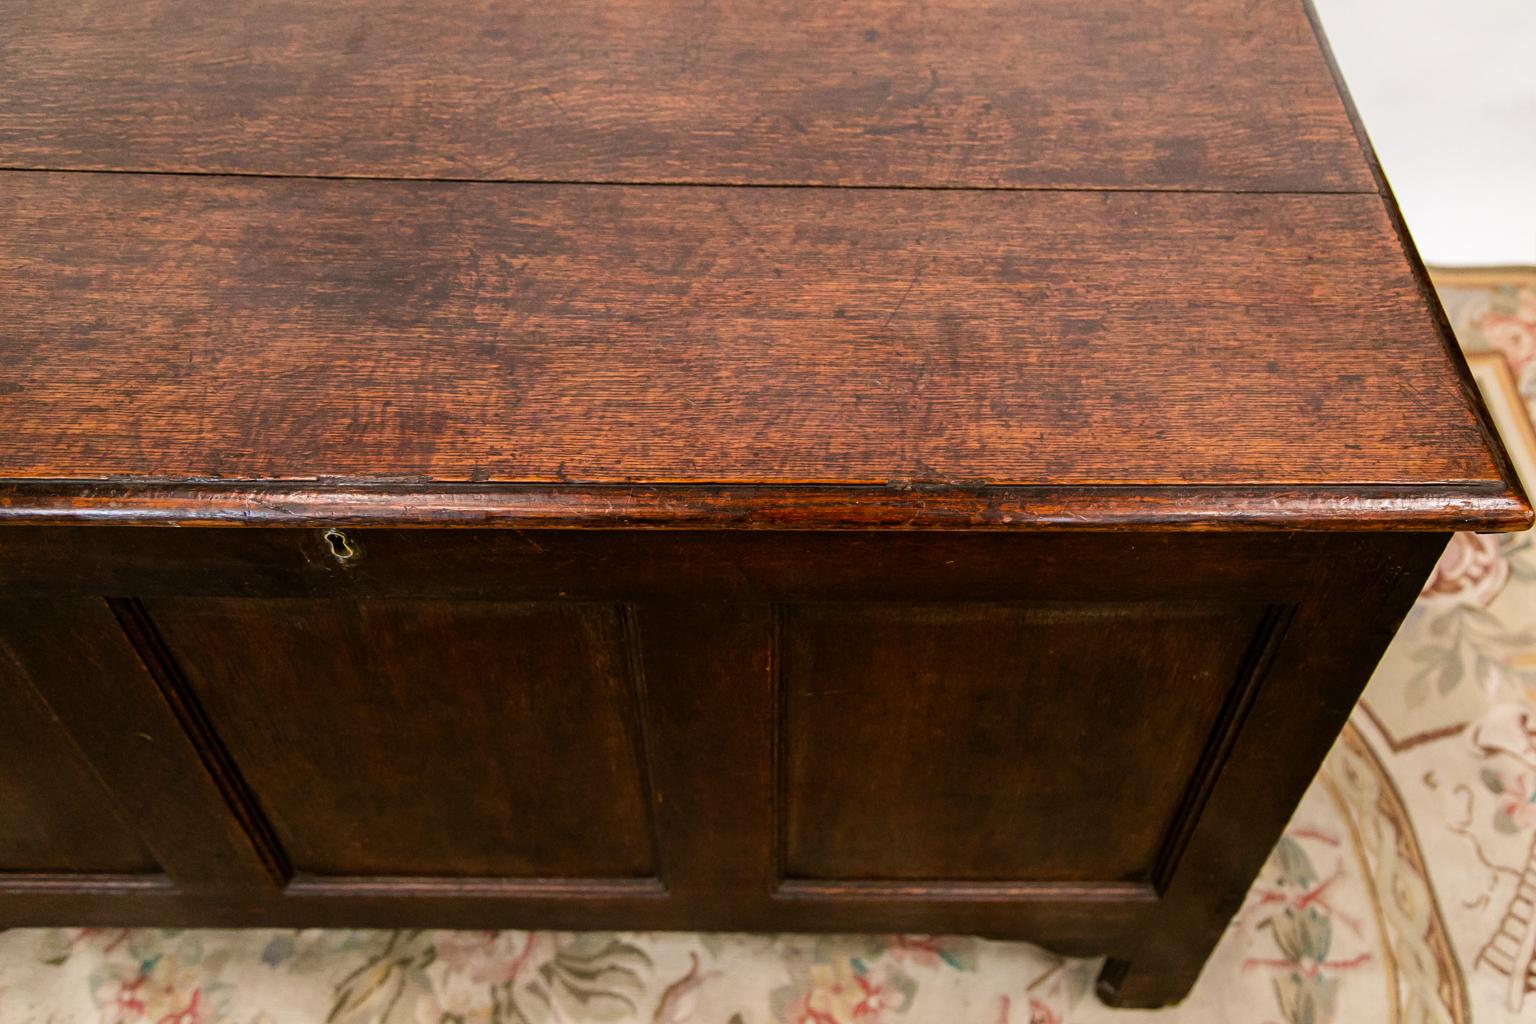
column 1447, row 91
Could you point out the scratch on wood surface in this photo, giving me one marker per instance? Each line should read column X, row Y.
column 916, row 273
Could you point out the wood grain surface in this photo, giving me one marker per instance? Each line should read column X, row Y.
column 1184, row 94
column 689, row 285
column 56, row 815
column 995, row 725
column 167, row 327
column 426, row 739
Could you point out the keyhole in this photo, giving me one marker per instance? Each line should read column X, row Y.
column 341, row 545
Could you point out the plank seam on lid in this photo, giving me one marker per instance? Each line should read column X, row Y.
column 660, row 184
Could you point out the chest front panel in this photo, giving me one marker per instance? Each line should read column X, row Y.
column 750, row 730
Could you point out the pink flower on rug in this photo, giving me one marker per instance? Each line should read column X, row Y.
column 123, row 999
column 922, row 950
column 1040, row 1013
column 490, row 958
column 191, row 1013
column 1505, row 729
column 1513, row 334
column 148, row 998
column 1471, row 572
column 1516, row 809
column 839, row 995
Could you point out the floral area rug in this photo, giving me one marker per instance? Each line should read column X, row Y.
column 1403, row 892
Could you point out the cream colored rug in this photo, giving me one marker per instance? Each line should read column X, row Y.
column 1404, row 890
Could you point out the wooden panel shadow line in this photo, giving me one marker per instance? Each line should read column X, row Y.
column 634, row 723
column 1229, row 722
column 145, row 639
column 332, row 886
column 958, row 891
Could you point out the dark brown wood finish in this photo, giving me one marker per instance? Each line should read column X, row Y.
column 424, row 739
column 1330, row 648
column 946, row 742
column 895, row 506
column 1049, row 93
column 97, row 671
column 716, row 619
column 55, row 814
column 877, row 466
column 472, row 332
column 668, row 566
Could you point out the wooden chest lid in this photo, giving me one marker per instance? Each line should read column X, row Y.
column 986, row 263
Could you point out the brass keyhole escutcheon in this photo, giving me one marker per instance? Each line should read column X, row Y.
column 342, row 547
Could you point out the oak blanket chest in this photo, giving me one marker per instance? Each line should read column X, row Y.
column 876, row 466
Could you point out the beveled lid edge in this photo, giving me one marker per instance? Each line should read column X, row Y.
column 1484, row 507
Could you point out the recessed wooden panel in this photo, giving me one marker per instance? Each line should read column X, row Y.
column 55, row 815
column 996, row 742
column 426, row 738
